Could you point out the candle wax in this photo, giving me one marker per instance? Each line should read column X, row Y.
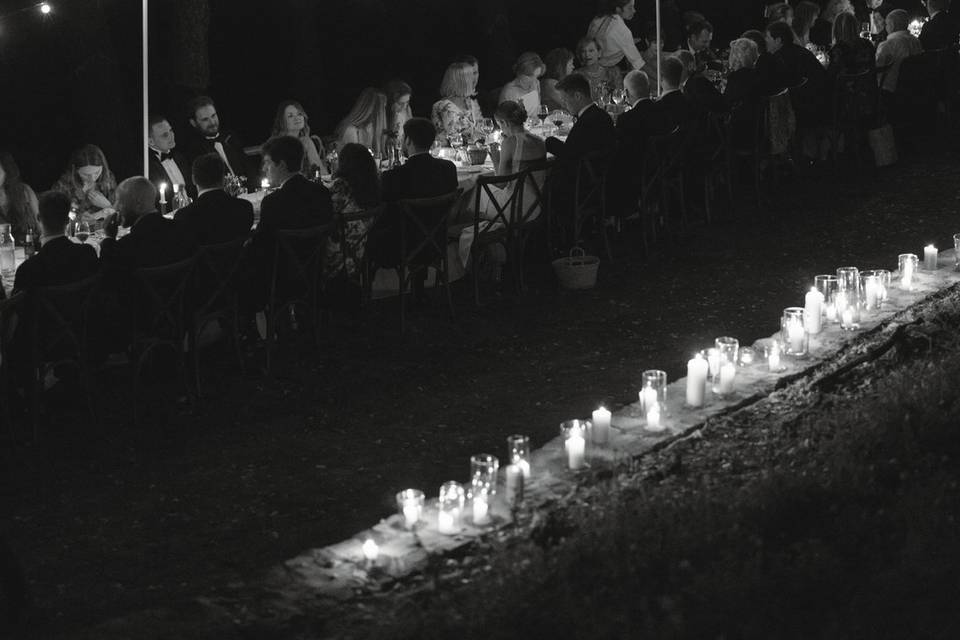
column 480, row 510
column 576, row 449
column 411, row 513
column 446, row 522
column 697, row 369
column 727, row 373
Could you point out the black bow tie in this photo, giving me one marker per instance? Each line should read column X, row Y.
column 165, row 156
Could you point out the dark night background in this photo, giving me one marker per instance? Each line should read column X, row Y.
column 74, row 76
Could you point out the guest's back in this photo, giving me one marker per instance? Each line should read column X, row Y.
column 153, row 241
column 216, row 217
column 297, row 204
column 59, row 261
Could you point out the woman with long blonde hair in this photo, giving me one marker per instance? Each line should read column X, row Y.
column 366, row 123
column 18, row 202
column 457, row 113
column 291, row 120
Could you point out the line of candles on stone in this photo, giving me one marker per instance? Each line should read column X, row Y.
column 840, row 298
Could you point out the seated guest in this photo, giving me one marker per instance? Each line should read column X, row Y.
column 297, row 203
column 18, row 202
column 899, row 45
column 356, row 187
column 771, row 73
column 526, row 85
column 457, row 113
column 214, row 217
column 634, row 128
column 398, row 95
column 593, row 131
column 60, row 260
column 88, row 183
column 153, row 240
column 366, row 123
column 652, row 42
column 812, row 101
column 850, row 53
column 699, row 36
column 559, row 64
column 602, row 79
column 805, row 14
column 743, row 91
column 206, row 136
column 821, row 33
column 781, row 11
column 518, row 150
column 167, row 165
column 421, row 176
column 613, row 37
column 940, row 31
column 292, row 120
column 697, row 87
column 673, row 105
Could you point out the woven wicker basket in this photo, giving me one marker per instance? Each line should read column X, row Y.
column 476, row 156
column 578, row 270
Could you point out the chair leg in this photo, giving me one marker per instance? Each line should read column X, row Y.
column 402, row 277
column 475, row 267
column 445, row 271
column 193, row 341
column 271, row 337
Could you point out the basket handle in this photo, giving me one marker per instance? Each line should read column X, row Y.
column 577, row 251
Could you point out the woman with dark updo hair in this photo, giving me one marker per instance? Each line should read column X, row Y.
column 356, row 187
column 18, row 202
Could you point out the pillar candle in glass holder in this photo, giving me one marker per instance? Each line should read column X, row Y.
column 792, row 331
column 728, row 350
column 449, row 507
column 930, row 254
column 655, row 379
column 648, row 396
column 481, row 507
column 575, row 446
column 410, row 505
column 883, row 282
column 697, row 369
column 813, row 310
column 653, row 418
column 483, row 474
column 826, row 284
column 848, row 282
column 872, row 290
column 518, row 452
column 908, row 266
column 514, row 484
column 712, row 356
column 773, row 356
column 728, row 371
column 746, row 356
column 601, row 426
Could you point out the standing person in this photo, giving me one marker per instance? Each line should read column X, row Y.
column 18, row 202
column 602, row 79
column 850, row 53
column 291, row 120
column 899, row 45
column 167, row 165
column 525, row 86
column 207, row 136
column 559, row 64
column 398, row 95
column 805, row 14
column 610, row 30
column 940, row 31
column 821, row 33
column 214, row 216
column 699, row 37
column 366, row 123
column 743, row 91
column 457, row 112
column 89, row 183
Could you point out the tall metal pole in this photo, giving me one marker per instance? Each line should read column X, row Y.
column 659, row 49
column 146, row 89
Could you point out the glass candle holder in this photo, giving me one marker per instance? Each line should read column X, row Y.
column 845, row 309
column 956, row 252
column 574, row 434
column 773, row 353
column 848, row 282
column 483, row 473
column 656, row 380
column 728, row 352
column 518, row 452
column 907, row 265
column 410, row 505
column 712, row 356
column 480, row 507
column 450, row 507
column 747, row 356
column 872, row 290
column 793, row 333
column 884, row 275
column 828, row 285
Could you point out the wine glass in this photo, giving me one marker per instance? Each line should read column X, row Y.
column 487, row 126
column 619, row 96
column 456, row 141
column 82, row 231
column 558, row 117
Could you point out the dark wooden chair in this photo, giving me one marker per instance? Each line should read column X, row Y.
column 856, row 99
column 11, row 312
column 492, row 226
column 216, row 297
column 531, row 214
column 355, row 252
column 590, row 198
column 717, row 172
column 160, row 318
column 296, row 280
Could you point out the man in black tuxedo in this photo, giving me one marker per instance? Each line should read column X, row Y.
column 592, row 131
column 940, row 31
column 60, row 260
column 207, row 137
column 152, row 241
column 167, row 165
column 214, row 216
column 421, row 176
column 674, row 106
column 699, row 36
column 297, row 203
column 634, row 128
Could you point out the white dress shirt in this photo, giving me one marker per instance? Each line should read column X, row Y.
column 616, row 41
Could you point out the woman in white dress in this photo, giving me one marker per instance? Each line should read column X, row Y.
column 526, row 86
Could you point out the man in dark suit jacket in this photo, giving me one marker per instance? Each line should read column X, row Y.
column 421, row 176
column 674, row 106
column 214, row 216
column 167, row 165
column 297, row 203
column 812, row 102
column 60, row 260
column 207, row 137
column 940, row 31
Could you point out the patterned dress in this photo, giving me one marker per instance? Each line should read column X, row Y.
column 451, row 120
column 355, row 231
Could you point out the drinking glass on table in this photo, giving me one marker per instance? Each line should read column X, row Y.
column 619, row 96
column 82, row 231
column 542, row 113
column 487, row 126
column 558, row 117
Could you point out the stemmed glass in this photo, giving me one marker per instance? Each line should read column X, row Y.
column 82, row 230
column 558, row 117
column 487, row 126
column 456, row 141
column 619, row 96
